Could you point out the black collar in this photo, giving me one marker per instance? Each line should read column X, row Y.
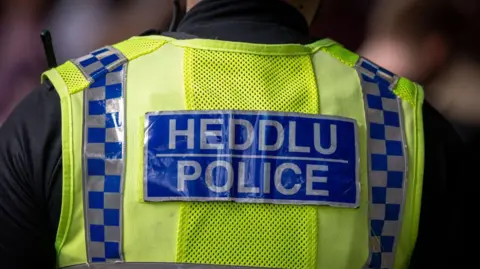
column 253, row 21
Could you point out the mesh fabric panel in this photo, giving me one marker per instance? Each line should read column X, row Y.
column 138, row 46
column 73, row 77
column 258, row 235
column 226, row 80
column 406, row 90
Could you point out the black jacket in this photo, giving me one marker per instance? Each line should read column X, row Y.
column 30, row 145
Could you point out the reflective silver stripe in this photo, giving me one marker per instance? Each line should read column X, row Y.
column 104, row 153
column 134, row 265
column 387, row 162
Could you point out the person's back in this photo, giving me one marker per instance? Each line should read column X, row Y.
column 139, row 127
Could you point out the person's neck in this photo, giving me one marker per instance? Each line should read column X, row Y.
column 308, row 8
column 266, row 21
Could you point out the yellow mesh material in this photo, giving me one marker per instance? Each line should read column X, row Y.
column 138, row 46
column 73, row 77
column 225, row 80
column 406, row 90
column 272, row 236
column 258, row 235
column 342, row 54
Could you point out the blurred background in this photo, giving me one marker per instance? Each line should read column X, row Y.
column 433, row 42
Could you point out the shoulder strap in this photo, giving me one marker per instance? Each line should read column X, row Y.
column 80, row 73
column 402, row 87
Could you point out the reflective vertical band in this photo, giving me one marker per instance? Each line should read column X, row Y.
column 104, row 153
column 387, row 162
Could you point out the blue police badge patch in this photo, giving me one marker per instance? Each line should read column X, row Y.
column 255, row 157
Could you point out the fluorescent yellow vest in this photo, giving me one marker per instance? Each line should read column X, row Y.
column 105, row 95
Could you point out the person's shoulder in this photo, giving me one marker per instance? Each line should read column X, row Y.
column 81, row 72
column 33, row 124
column 30, row 185
column 40, row 104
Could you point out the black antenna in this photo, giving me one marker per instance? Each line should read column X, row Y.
column 48, row 47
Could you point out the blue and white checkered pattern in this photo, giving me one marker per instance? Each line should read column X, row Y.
column 387, row 161
column 97, row 63
column 104, row 152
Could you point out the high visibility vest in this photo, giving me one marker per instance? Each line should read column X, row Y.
column 213, row 154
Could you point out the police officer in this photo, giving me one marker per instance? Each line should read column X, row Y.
column 235, row 141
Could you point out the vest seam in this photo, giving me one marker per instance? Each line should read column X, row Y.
column 140, row 55
column 68, row 208
column 336, row 56
column 314, row 71
column 417, row 117
column 64, row 222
